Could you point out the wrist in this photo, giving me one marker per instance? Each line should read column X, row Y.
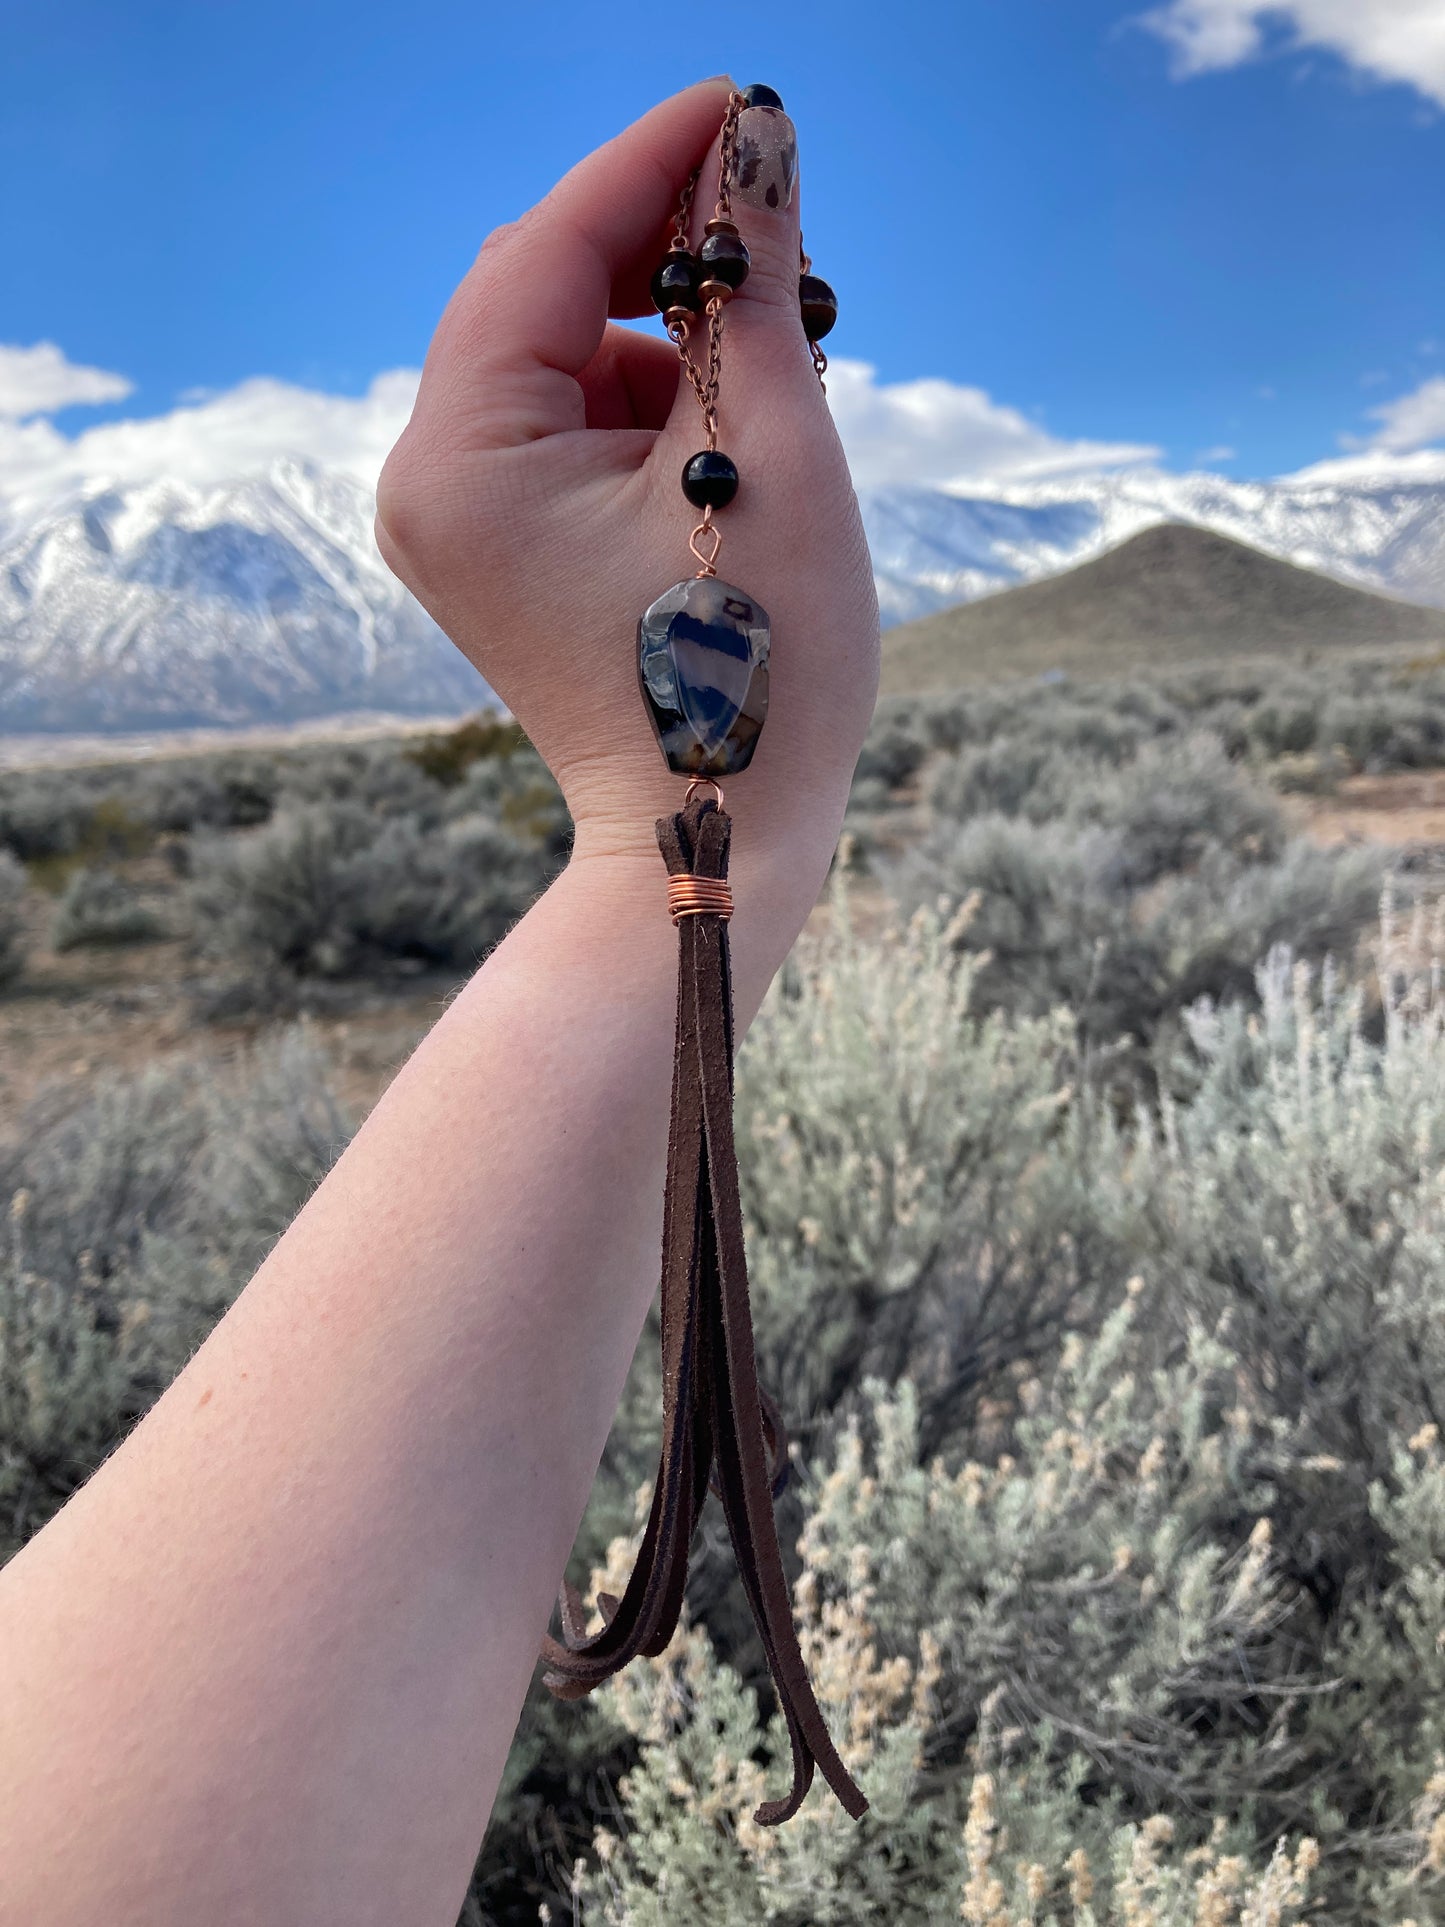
column 777, row 871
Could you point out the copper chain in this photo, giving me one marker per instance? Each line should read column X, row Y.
column 683, row 220
column 706, row 380
column 728, row 156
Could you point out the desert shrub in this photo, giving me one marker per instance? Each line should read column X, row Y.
column 960, row 1622
column 1291, row 1180
column 12, row 918
column 79, row 1362
column 327, row 891
column 1287, row 724
column 1367, row 712
column 41, row 815
column 1060, row 918
column 99, row 908
column 1387, row 729
column 1209, row 922
column 134, row 1212
column 1001, row 775
column 916, row 1176
column 375, row 777
column 892, row 752
column 1126, row 1566
column 1161, row 1623
column 450, row 896
column 446, row 758
column 1315, row 772
column 229, row 791
column 1171, row 1584
column 1127, row 889
column 49, row 816
column 1170, row 807
column 520, row 793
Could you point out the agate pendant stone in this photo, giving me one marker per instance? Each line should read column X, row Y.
column 702, row 660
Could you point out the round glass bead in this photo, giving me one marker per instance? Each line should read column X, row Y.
column 760, row 96
column 819, row 305
column 674, row 285
column 724, row 257
column 710, row 479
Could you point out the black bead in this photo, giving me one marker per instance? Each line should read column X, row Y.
column 674, row 285
column 710, row 480
column 759, row 96
column 819, row 305
column 724, row 257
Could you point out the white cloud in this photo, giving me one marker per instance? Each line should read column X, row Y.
column 1391, row 40
column 1407, row 443
column 1222, row 452
column 1411, row 421
column 211, row 441
column 40, row 381
column 930, row 432
column 936, row 433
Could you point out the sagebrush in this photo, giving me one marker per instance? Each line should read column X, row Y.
column 1097, row 1230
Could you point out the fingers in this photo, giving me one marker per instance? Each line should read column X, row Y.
column 765, row 355
column 532, row 313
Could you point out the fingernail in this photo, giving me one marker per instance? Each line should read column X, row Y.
column 767, row 164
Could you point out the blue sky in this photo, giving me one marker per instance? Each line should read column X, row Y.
column 1216, row 229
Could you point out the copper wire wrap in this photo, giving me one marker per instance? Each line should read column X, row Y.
column 694, row 896
column 690, row 896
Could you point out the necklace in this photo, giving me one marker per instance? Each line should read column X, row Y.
column 703, row 648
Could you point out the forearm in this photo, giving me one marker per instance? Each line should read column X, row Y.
column 335, row 1540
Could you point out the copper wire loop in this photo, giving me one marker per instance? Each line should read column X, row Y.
column 690, row 896
column 703, row 783
column 706, row 528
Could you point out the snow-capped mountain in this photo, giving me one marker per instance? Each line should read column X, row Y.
column 162, row 605
column 931, row 549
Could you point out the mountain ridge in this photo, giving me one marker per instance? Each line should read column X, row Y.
column 263, row 600
column 159, row 606
column 1171, row 594
column 933, row 548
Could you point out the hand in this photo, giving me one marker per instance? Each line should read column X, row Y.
column 534, row 506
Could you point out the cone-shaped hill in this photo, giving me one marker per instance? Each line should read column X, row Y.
column 1169, row 596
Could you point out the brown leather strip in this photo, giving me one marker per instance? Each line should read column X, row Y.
column 579, row 1663
column 759, row 1556
column 718, row 1425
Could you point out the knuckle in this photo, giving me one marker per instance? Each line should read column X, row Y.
column 501, row 238
column 400, row 521
column 772, row 280
column 422, row 505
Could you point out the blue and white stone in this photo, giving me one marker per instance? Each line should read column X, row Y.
column 702, row 660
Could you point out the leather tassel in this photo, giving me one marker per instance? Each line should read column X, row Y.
column 719, row 1429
